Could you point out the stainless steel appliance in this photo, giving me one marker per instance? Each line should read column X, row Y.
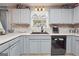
column 55, row 29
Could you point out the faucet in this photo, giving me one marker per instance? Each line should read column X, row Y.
column 42, row 30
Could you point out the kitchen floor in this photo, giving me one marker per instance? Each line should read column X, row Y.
column 46, row 55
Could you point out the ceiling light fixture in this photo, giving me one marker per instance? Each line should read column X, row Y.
column 40, row 9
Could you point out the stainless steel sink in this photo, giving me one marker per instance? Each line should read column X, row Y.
column 39, row 33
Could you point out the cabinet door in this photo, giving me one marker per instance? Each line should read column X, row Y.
column 16, row 16
column 46, row 46
column 66, row 16
column 21, row 44
column 26, row 45
column 60, row 16
column 15, row 49
column 76, row 15
column 69, row 44
column 35, row 46
column 77, row 46
column 25, row 16
column 5, row 53
column 74, row 45
column 55, row 16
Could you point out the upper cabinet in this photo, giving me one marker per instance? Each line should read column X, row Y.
column 21, row 16
column 25, row 16
column 60, row 16
column 16, row 16
column 76, row 15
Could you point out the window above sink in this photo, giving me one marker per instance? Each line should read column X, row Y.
column 39, row 21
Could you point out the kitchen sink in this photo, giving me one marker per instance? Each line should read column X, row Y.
column 39, row 33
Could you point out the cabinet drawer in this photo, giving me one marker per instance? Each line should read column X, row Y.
column 13, row 41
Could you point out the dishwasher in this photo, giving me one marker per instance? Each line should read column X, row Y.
column 58, row 45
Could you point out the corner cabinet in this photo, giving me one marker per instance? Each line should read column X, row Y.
column 60, row 16
column 14, row 47
column 21, row 16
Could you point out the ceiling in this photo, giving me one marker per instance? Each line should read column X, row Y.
column 53, row 5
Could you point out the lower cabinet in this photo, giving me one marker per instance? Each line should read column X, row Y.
column 26, row 45
column 40, row 46
column 76, row 46
column 4, row 49
column 15, row 48
column 73, row 45
column 69, row 44
column 46, row 46
column 21, row 45
column 5, row 52
column 35, row 46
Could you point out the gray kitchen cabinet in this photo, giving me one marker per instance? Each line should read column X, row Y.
column 69, row 44
column 15, row 47
column 16, row 16
column 40, row 45
column 21, row 16
column 45, row 46
column 26, row 44
column 60, row 16
column 4, row 49
column 76, row 46
column 5, row 52
column 13, row 50
column 21, row 44
column 35, row 46
column 76, row 15
column 25, row 16
column 10, row 48
column 73, row 45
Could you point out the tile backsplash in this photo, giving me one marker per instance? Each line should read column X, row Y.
column 28, row 29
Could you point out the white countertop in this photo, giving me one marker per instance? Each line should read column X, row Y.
column 7, row 37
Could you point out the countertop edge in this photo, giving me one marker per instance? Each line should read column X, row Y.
column 8, row 37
